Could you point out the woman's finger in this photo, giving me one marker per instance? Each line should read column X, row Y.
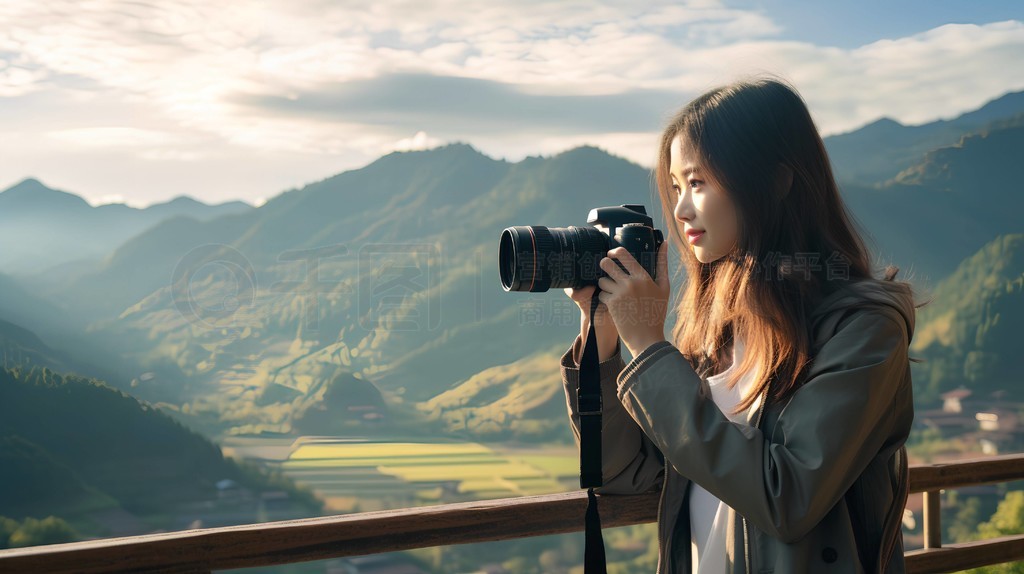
column 609, row 266
column 622, row 255
column 607, row 285
column 581, row 294
column 662, row 267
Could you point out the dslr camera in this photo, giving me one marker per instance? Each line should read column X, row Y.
column 537, row 258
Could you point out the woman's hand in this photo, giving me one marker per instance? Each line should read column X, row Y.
column 637, row 303
column 604, row 329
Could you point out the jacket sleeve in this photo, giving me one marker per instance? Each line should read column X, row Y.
column 630, row 463
column 824, row 438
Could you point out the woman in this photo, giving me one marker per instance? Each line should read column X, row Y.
column 774, row 421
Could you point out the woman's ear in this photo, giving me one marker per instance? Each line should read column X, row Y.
column 783, row 180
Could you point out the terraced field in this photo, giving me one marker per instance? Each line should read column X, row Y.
column 366, row 475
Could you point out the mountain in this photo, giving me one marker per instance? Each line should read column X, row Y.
column 986, row 160
column 942, row 209
column 19, row 346
column 521, row 401
column 43, row 227
column 36, row 331
column 36, row 484
column 106, row 450
column 969, row 334
column 882, row 149
column 383, row 281
column 389, row 272
column 348, row 405
column 22, row 348
column 21, row 306
column 188, row 207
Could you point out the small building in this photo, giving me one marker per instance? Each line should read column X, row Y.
column 996, row 419
column 952, row 401
column 228, row 489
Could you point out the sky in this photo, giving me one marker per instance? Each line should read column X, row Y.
column 141, row 101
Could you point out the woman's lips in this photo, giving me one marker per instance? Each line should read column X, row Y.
column 694, row 236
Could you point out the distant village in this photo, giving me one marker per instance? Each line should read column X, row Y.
column 986, row 425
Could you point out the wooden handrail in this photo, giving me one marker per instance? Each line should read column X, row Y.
column 971, row 472
column 291, row 541
column 956, row 557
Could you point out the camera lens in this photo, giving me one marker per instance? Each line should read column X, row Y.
column 537, row 258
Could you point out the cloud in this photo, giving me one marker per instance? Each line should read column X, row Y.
column 193, row 61
column 420, row 141
column 145, row 144
column 936, row 74
column 18, row 81
column 331, row 84
column 455, row 106
column 114, row 137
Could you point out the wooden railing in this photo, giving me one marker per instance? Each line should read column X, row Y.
column 290, row 541
column 931, row 479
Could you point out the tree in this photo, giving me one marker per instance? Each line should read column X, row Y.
column 1008, row 519
column 550, row 560
column 519, row 564
column 7, row 527
column 35, row 532
column 963, row 526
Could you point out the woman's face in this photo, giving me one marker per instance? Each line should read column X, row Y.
column 700, row 206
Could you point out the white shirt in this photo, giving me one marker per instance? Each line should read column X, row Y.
column 708, row 513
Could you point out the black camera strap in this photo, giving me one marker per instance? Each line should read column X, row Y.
column 588, row 397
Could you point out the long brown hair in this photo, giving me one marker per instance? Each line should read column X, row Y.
column 755, row 139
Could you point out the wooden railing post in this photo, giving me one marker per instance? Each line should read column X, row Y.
column 932, row 519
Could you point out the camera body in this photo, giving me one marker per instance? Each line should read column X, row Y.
column 537, row 258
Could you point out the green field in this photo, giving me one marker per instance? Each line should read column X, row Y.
column 346, row 472
column 374, row 462
column 384, row 450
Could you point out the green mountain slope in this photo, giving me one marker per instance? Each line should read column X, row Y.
column 404, row 293
column 33, row 483
column 22, row 306
column 21, row 347
column 984, row 161
column 970, row 333
column 57, row 427
column 147, row 263
column 879, row 151
column 347, row 405
column 522, row 400
column 941, row 210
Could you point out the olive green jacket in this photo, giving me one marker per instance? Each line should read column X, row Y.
column 817, row 483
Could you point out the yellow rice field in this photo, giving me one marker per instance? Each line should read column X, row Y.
column 422, row 471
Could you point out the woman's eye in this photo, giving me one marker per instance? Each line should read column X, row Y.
column 695, row 182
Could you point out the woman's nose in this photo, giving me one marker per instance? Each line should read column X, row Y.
column 684, row 208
